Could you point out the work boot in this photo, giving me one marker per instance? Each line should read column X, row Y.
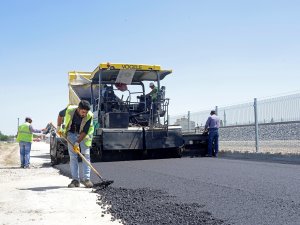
column 87, row 183
column 74, row 183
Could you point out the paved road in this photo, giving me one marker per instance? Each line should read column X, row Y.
column 235, row 191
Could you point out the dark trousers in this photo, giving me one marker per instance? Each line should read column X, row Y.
column 213, row 140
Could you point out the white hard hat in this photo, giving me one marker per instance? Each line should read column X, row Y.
column 151, row 84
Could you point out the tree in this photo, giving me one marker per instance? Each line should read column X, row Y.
column 3, row 137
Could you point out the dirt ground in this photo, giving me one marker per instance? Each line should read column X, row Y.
column 39, row 195
column 9, row 154
column 286, row 147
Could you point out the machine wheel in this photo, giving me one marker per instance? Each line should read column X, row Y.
column 65, row 160
column 178, row 152
column 97, row 156
column 203, row 147
column 53, row 144
column 54, row 160
column 140, row 155
column 144, row 154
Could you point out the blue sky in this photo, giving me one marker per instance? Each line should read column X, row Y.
column 221, row 52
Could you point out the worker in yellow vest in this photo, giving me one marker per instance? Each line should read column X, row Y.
column 152, row 105
column 78, row 128
column 153, row 92
column 25, row 138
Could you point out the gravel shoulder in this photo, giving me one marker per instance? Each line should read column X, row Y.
column 39, row 195
column 283, row 147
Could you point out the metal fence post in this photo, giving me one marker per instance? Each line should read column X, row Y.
column 256, row 125
column 216, row 109
column 189, row 119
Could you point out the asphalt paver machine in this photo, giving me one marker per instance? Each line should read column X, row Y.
column 125, row 117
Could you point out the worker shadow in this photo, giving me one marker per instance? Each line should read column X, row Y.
column 11, row 168
column 40, row 189
column 46, row 156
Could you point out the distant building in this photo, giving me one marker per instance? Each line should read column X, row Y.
column 184, row 123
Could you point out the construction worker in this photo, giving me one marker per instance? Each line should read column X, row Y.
column 25, row 138
column 212, row 125
column 153, row 92
column 151, row 103
column 78, row 129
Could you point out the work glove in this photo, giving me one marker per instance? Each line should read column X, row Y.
column 76, row 147
column 59, row 131
column 205, row 132
column 43, row 131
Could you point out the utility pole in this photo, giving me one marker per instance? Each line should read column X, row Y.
column 216, row 109
column 18, row 125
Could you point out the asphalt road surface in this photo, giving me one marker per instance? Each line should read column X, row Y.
column 228, row 191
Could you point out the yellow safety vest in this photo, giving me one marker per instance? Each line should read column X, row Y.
column 153, row 93
column 24, row 133
column 68, row 122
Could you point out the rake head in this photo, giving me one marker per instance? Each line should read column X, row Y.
column 103, row 184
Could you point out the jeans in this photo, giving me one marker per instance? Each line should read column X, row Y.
column 213, row 139
column 74, row 165
column 25, row 148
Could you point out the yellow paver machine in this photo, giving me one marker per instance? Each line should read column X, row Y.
column 126, row 118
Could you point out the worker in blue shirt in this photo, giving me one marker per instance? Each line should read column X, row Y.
column 212, row 125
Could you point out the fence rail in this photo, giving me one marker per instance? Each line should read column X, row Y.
column 277, row 110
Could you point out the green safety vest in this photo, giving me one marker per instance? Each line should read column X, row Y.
column 24, row 133
column 153, row 93
column 68, row 121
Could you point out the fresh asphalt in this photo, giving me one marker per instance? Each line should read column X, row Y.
column 232, row 191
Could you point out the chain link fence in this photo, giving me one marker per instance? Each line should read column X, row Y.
column 273, row 128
